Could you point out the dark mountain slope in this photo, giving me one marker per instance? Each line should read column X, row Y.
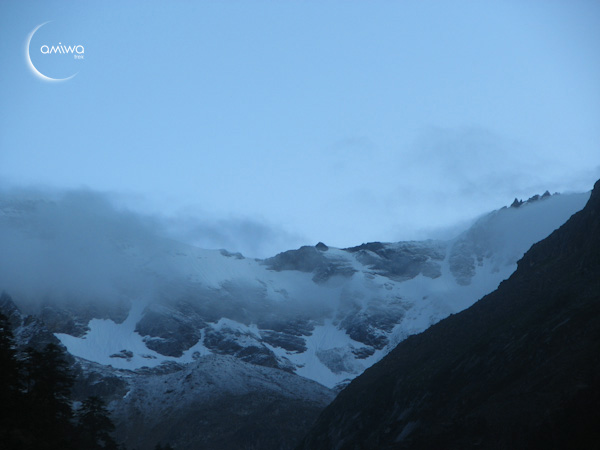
column 519, row 369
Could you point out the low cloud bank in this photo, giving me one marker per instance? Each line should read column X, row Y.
column 77, row 244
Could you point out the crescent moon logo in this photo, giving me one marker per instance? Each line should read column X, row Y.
column 33, row 69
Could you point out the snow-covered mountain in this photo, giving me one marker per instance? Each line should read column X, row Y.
column 518, row 369
column 217, row 401
column 320, row 312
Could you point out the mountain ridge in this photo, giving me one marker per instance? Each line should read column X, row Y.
column 515, row 370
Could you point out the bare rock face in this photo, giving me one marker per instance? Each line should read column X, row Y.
column 170, row 333
column 72, row 316
column 322, row 247
column 310, row 259
column 403, row 260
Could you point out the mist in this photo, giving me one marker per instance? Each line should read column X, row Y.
column 82, row 246
column 69, row 245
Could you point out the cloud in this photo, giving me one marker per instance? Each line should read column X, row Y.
column 475, row 162
column 248, row 236
column 67, row 245
column 470, row 161
column 436, row 184
column 77, row 244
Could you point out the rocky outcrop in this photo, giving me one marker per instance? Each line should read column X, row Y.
column 312, row 260
column 403, row 260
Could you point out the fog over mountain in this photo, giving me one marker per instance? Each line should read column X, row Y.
column 72, row 242
column 98, row 273
column 140, row 311
column 75, row 243
column 70, row 245
column 78, row 243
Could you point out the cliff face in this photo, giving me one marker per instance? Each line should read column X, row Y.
column 518, row 369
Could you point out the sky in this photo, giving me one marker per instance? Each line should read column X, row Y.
column 262, row 126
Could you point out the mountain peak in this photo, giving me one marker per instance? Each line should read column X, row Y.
column 517, row 202
column 322, row 247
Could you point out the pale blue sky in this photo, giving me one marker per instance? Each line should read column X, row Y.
column 284, row 123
